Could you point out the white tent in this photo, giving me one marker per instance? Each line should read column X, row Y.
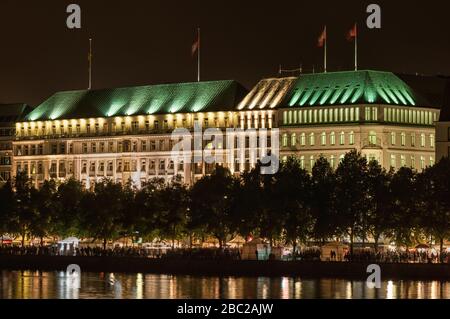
column 257, row 249
column 337, row 248
column 67, row 246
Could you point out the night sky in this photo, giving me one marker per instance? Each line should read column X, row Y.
column 140, row 42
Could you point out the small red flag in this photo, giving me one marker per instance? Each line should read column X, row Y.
column 322, row 38
column 352, row 33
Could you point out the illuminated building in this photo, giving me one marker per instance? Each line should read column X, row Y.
column 125, row 133
column 9, row 115
column 443, row 126
column 330, row 114
column 122, row 133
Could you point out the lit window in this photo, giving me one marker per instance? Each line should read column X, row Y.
column 342, row 138
column 422, row 140
column 393, row 161
column 413, row 139
column 293, row 139
column 332, row 161
column 323, row 139
column 393, row 138
column 432, row 142
column 333, row 138
column 352, row 138
column 312, row 138
column 372, row 138
column 431, row 160
column 311, row 162
column 403, row 160
column 303, row 139
column 302, row 162
column 422, row 162
column 403, row 139
column 285, row 140
column 413, row 162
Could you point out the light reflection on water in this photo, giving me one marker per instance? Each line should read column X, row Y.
column 57, row 285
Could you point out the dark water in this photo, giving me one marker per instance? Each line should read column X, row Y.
column 58, row 285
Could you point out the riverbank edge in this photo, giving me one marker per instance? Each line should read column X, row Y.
column 245, row 268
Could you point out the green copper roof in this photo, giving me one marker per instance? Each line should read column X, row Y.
column 354, row 87
column 141, row 100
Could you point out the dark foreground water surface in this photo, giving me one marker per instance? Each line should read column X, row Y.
column 58, row 285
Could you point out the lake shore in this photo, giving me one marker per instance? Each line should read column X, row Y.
column 304, row 269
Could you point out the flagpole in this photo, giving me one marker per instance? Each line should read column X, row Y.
column 198, row 56
column 90, row 64
column 356, row 47
column 325, row 49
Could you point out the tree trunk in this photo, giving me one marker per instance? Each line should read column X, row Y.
column 376, row 239
column 351, row 245
column 294, row 247
column 441, row 250
column 23, row 237
column 104, row 243
column 42, row 241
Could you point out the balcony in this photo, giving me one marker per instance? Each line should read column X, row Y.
column 372, row 143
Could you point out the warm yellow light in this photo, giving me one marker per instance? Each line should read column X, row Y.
column 74, row 122
column 118, row 120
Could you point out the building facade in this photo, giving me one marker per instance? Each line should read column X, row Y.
column 120, row 134
column 125, row 133
column 9, row 115
column 443, row 126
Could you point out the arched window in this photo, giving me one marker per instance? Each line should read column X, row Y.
column 293, row 139
column 303, row 139
column 311, row 162
column 351, row 138
column 302, row 162
column 342, row 138
column 392, row 138
column 432, row 141
column 285, row 140
column 403, row 139
column 332, row 161
column 333, row 138
column 312, row 138
column 323, row 139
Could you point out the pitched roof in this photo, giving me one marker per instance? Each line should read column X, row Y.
column 267, row 94
column 141, row 100
column 352, row 87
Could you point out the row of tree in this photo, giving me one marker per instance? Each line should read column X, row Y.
column 357, row 201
